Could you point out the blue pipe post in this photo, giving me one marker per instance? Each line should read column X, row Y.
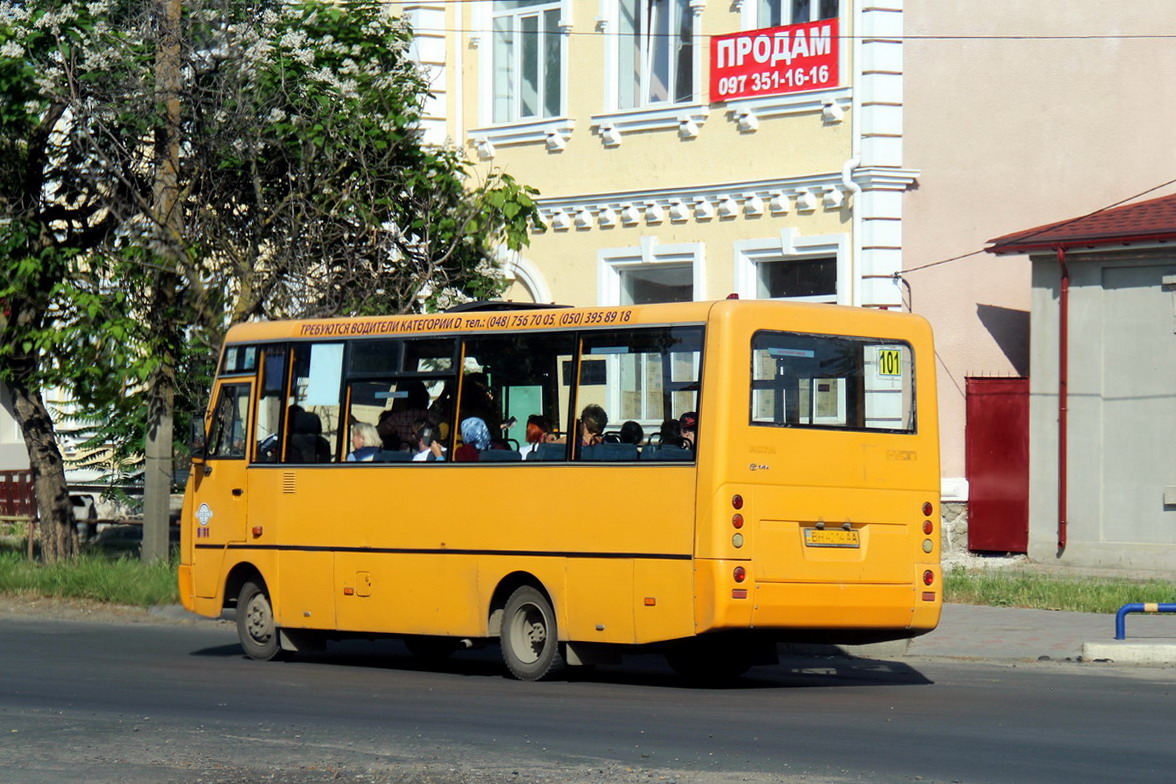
column 1137, row 607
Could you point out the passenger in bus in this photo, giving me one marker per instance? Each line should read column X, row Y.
column 688, row 422
column 593, row 421
column 307, row 444
column 365, row 442
column 538, row 432
column 475, row 437
column 389, row 438
column 428, row 445
column 671, row 434
column 413, row 405
column 632, row 433
column 477, row 400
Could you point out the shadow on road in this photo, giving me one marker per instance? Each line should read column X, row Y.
column 639, row 669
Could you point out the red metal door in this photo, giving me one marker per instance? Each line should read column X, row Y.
column 997, row 453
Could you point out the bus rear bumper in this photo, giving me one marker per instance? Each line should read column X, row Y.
column 902, row 609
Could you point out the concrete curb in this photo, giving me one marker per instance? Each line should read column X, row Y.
column 1150, row 654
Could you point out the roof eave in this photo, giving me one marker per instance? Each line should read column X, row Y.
column 1088, row 242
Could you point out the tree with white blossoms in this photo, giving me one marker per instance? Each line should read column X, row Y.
column 300, row 187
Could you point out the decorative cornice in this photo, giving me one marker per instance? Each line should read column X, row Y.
column 805, row 195
column 885, row 178
column 687, row 119
column 554, row 132
column 830, row 104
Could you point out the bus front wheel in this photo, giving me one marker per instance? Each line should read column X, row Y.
column 530, row 644
column 255, row 623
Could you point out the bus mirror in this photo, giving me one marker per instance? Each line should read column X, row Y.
column 196, row 441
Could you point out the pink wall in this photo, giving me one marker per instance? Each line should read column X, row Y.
column 1011, row 134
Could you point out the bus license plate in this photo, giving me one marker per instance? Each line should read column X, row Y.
column 830, row 537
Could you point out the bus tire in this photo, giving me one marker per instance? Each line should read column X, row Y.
column 530, row 640
column 255, row 623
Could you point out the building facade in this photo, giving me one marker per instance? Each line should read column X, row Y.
column 1102, row 405
column 1018, row 114
column 684, row 150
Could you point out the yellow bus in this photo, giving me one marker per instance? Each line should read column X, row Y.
column 701, row 479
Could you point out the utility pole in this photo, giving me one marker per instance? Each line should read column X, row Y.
column 161, row 384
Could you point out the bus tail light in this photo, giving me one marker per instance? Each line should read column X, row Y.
column 928, row 527
column 737, row 520
column 928, row 577
column 738, row 593
column 737, row 501
column 927, row 509
column 740, row 574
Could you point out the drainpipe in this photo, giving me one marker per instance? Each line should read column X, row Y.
column 1063, row 383
column 856, row 18
column 855, row 206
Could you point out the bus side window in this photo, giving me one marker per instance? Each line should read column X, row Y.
column 643, row 377
column 513, row 378
column 270, row 416
column 314, row 418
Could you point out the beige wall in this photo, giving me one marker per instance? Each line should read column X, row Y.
column 800, row 150
column 1011, row 134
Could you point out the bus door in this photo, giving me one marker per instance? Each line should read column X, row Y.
column 219, row 485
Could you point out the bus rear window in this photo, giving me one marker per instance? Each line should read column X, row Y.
column 832, row 381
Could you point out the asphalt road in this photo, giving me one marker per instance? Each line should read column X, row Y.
column 102, row 702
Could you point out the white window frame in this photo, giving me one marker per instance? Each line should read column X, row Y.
column 790, row 246
column 540, row 11
column 611, row 262
column 553, row 131
column 750, row 13
column 611, row 23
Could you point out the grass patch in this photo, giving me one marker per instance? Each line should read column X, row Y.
column 127, row 581
column 1047, row 592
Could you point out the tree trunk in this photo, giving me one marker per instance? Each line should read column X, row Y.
column 161, row 384
column 59, row 535
column 157, row 475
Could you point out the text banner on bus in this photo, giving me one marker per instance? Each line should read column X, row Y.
column 775, row 60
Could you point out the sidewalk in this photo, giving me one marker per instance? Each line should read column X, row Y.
column 1013, row 634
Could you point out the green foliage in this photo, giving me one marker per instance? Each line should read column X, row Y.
column 124, row 581
column 1023, row 588
column 307, row 191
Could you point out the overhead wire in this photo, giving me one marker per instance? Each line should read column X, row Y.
column 1049, row 227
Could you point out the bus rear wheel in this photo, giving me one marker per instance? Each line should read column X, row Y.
column 530, row 642
column 255, row 623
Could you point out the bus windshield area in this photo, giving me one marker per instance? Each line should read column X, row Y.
column 832, row 381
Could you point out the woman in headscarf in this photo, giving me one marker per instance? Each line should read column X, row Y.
column 475, row 437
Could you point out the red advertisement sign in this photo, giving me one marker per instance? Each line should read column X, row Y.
column 774, row 60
